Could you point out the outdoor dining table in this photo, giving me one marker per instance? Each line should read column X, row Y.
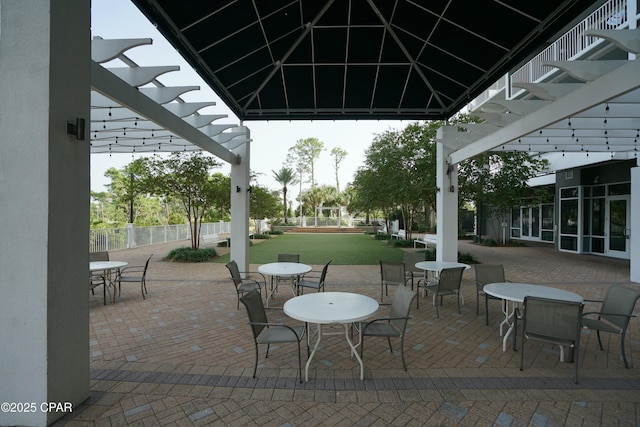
column 435, row 267
column 282, row 269
column 107, row 268
column 326, row 308
column 516, row 293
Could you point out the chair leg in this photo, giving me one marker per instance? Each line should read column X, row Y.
column 624, row 357
column 299, row 363
column 458, row 300
column 404, row 364
column 486, row 309
column 436, row 304
column 515, row 333
column 575, row 362
column 389, row 342
column 255, row 365
column 599, row 340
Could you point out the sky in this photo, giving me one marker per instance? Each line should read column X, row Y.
column 270, row 141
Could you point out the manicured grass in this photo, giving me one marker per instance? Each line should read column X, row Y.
column 341, row 249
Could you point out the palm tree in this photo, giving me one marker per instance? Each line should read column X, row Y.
column 285, row 176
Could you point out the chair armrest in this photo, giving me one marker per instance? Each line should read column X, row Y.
column 277, row 325
column 593, row 300
column 132, row 269
column 264, row 279
column 386, row 319
column 602, row 313
column 247, row 279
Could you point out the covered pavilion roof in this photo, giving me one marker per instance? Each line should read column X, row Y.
column 373, row 59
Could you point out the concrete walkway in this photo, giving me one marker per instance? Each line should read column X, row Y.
column 184, row 356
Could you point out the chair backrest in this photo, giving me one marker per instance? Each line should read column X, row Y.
column 410, row 260
column 98, row 256
column 288, row 257
column 392, row 273
column 232, row 266
column 146, row 265
column 619, row 300
column 255, row 310
column 450, row 279
column 323, row 275
column 400, row 305
column 488, row 273
column 552, row 319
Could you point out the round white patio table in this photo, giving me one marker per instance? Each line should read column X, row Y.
column 516, row 292
column 325, row 308
column 435, row 267
column 283, row 269
column 107, row 268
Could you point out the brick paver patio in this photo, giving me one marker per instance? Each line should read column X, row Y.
column 184, row 356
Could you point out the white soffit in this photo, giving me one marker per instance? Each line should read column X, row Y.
column 133, row 112
column 599, row 115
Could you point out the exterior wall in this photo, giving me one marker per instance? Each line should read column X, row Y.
column 44, row 209
column 586, row 180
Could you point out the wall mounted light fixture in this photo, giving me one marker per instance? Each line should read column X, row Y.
column 238, row 189
column 76, row 129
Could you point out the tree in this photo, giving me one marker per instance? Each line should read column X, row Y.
column 126, row 186
column 186, row 178
column 338, row 154
column 399, row 172
column 263, row 204
column 307, row 151
column 220, row 193
column 285, row 176
column 497, row 180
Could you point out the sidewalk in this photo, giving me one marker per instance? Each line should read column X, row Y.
column 184, row 356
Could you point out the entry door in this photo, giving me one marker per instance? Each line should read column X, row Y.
column 530, row 223
column 618, row 231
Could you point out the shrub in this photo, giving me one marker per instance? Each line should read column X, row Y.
column 261, row 236
column 400, row 243
column 274, row 232
column 186, row 254
column 466, row 258
column 380, row 236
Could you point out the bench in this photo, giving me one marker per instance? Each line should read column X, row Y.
column 426, row 240
column 400, row 234
column 213, row 239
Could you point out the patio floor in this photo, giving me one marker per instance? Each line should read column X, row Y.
column 184, row 356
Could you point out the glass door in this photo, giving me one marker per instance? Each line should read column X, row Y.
column 618, row 233
column 530, row 223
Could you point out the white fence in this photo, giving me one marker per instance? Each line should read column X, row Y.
column 111, row 239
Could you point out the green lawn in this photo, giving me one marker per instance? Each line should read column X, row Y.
column 341, row 249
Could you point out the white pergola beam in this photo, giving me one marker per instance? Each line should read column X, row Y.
column 616, row 83
column 111, row 86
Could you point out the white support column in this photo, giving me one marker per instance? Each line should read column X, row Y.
column 634, row 240
column 45, row 56
column 446, row 205
column 240, row 181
